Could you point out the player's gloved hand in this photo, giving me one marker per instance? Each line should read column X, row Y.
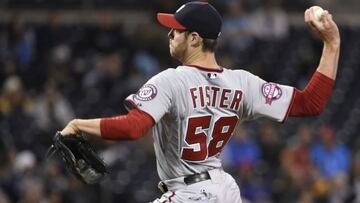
column 79, row 156
column 326, row 28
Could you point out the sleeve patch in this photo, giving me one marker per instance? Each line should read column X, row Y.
column 271, row 91
column 146, row 93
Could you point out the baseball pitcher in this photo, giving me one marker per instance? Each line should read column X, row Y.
column 193, row 110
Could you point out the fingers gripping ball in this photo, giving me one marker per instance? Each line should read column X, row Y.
column 318, row 12
column 79, row 156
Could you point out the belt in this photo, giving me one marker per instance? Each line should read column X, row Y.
column 188, row 180
column 198, row 177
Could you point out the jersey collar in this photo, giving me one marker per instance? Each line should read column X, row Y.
column 207, row 69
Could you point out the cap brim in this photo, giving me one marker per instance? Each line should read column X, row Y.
column 169, row 21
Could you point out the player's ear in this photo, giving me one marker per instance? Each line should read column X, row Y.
column 195, row 39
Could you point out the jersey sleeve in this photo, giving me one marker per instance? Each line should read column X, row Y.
column 267, row 99
column 154, row 97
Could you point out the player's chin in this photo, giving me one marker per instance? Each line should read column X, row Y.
column 172, row 53
column 177, row 53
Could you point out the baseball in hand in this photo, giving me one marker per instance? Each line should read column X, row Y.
column 318, row 12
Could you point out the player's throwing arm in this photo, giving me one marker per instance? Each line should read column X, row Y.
column 322, row 23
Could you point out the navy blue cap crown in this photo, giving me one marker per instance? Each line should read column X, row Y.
column 200, row 17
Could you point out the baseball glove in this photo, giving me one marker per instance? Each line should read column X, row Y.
column 79, row 156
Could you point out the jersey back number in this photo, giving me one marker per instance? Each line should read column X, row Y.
column 197, row 137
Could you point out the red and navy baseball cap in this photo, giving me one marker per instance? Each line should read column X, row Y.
column 200, row 17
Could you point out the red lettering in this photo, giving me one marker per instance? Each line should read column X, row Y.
column 236, row 100
column 224, row 98
column 193, row 96
column 207, row 95
column 195, row 148
column 215, row 91
column 219, row 136
column 201, row 96
column 194, row 137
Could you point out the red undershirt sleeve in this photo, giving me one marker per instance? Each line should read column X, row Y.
column 312, row 100
column 132, row 126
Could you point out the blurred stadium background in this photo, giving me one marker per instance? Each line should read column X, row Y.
column 61, row 59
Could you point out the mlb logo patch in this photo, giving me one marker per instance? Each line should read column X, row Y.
column 212, row 75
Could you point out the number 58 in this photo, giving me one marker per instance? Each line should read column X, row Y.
column 221, row 133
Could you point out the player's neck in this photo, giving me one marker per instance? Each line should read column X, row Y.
column 202, row 59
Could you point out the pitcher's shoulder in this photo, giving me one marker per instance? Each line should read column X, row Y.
column 178, row 71
column 239, row 72
column 168, row 73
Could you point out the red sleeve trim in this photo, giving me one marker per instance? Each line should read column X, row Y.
column 312, row 100
column 132, row 126
column 289, row 107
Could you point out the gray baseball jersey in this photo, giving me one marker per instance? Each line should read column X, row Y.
column 196, row 111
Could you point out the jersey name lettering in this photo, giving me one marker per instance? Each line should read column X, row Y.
column 213, row 96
